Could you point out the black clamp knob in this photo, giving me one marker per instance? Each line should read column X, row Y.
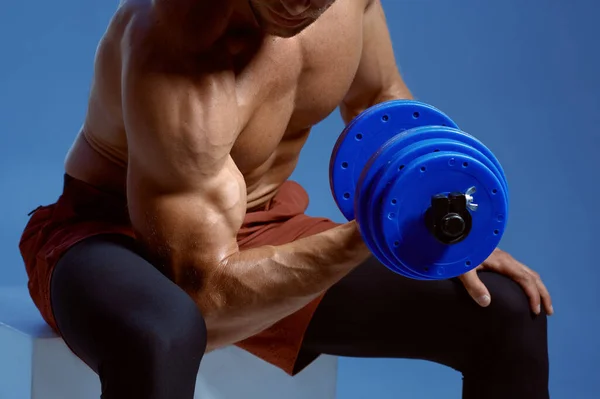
column 448, row 218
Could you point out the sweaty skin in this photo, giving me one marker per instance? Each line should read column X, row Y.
column 198, row 112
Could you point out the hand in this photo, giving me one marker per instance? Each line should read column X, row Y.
column 503, row 263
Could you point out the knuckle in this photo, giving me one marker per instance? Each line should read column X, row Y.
column 529, row 279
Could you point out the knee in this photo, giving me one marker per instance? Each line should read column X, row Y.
column 175, row 329
column 509, row 316
column 510, row 340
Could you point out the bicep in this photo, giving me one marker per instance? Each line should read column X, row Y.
column 377, row 78
column 177, row 129
column 185, row 196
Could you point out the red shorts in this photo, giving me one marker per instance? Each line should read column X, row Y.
column 83, row 211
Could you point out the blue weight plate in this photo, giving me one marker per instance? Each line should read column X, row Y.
column 403, row 210
column 364, row 217
column 442, row 132
column 399, row 158
column 403, row 154
column 371, row 240
column 387, row 252
column 419, row 250
column 415, row 136
column 368, row 205
column 393, row 155
column 365, row 135
column 393, row 150
column 365, row 210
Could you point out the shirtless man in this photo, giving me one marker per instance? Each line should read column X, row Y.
column 178, row 231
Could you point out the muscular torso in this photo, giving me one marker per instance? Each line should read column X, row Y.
column 283, row 87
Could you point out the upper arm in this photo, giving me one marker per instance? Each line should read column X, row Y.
column 377, row 78
column 186, row 198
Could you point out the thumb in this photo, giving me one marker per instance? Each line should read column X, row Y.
column 476, row 289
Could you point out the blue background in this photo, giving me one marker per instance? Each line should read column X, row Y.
column 523, row 76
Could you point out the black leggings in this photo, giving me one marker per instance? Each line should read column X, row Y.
column 145, row 337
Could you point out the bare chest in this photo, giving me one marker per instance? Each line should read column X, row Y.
column 293, row 84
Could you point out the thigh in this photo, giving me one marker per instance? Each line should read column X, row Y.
column 374, row 312
column 114, row 307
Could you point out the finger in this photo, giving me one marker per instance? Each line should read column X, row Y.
column 529, row 285
column 476, row 289
column 525, row 277
column 543, row 290
column 545, row 295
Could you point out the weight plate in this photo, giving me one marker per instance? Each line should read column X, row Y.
column 442, row 132
column 365, row 218
column 368, row 205
column 368, row 198
column 367, row 201
column 403, row 153
column 403, row 211
column 398, row 159
column 365, row 135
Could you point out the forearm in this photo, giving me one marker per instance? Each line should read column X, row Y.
column 378, row 78
column 255, row 288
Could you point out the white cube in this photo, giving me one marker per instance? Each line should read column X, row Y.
column 36, row 364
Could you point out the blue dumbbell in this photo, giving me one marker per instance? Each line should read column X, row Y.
column 430, row 200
